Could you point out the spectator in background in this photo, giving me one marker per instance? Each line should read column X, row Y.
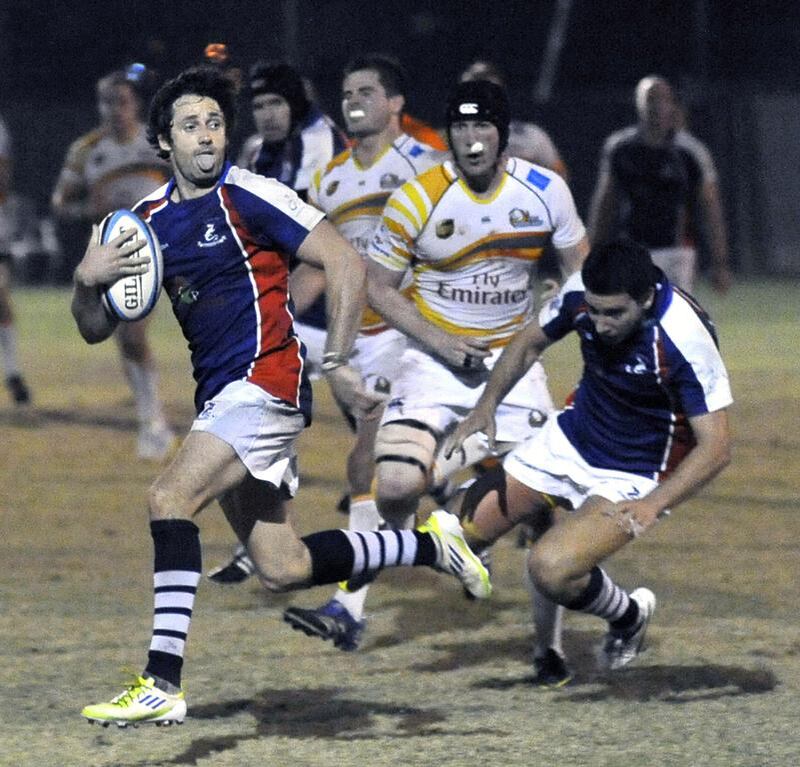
column 657, row 185
column 10, row 223
column 113, row 167
column 525, row 139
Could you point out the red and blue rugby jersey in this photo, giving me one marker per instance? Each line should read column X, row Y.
column 632, row 406
column 226, row 271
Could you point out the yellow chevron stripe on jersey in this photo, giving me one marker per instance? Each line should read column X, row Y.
column 395, row 228
column 525, row 245
column 371, row 320
column 505, row 331
column 419, row 204
column 435, row 182
column 338, row 160
column 369, row 205
column 403, row 210
column 361, row 166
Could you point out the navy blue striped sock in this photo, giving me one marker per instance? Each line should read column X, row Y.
column 176, row 573
column 341, row 555
column 602, row 597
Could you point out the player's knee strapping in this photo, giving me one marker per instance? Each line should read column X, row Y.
column 400, row 442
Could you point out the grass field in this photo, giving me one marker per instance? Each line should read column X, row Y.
column 439, row 681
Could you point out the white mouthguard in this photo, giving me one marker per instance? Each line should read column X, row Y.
column 476, row 147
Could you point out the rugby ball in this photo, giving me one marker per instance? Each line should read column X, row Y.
column 132, row 298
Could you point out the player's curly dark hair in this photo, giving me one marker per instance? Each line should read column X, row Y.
column 202, row 80
column 620, row 266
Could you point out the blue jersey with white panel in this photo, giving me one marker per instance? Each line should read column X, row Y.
column 632, row 406
column 226, row 271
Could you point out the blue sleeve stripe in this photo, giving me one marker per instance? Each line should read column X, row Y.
column 539, row 180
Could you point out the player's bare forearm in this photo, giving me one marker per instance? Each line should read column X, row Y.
column 521, row 352
column 103, row 264
column 386, row 299
column 94, row 323
column 384, row 296
column 306, row 285
column 705, row 460
column 345, row 275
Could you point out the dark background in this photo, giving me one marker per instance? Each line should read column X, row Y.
column 736, row 64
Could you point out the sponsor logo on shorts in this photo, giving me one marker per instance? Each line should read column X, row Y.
column 207, row 411
column 536, row 418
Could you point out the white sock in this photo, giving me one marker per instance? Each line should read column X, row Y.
column 144, row 385
column 8, row 349
column 547, row 618
column 363, row 515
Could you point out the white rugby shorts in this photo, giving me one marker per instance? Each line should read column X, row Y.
column 549, row 463
column 260, row 428
column 377, row 358
column 428, row 391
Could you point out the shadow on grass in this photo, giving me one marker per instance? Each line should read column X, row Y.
column 668, row 684
column 309, row 714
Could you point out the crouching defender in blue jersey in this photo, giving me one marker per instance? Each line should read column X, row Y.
column 227, row 236
column 648, row 427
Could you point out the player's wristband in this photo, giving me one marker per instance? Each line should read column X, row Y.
column 333, row 360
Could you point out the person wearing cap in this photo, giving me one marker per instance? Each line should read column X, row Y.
column 114, row 167
column 293, row 137
column 472, row 229
column 525, row 139
column 658, row 185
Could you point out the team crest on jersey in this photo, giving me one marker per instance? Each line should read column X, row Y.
column 331, row 188
column 211, row 237
column 638, row 367
column 519, row 218
column 445, row 228
column 390, row 181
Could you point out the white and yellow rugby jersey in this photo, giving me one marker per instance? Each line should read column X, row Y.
column 114, row 175
column 353, row 196
column 473, row 259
